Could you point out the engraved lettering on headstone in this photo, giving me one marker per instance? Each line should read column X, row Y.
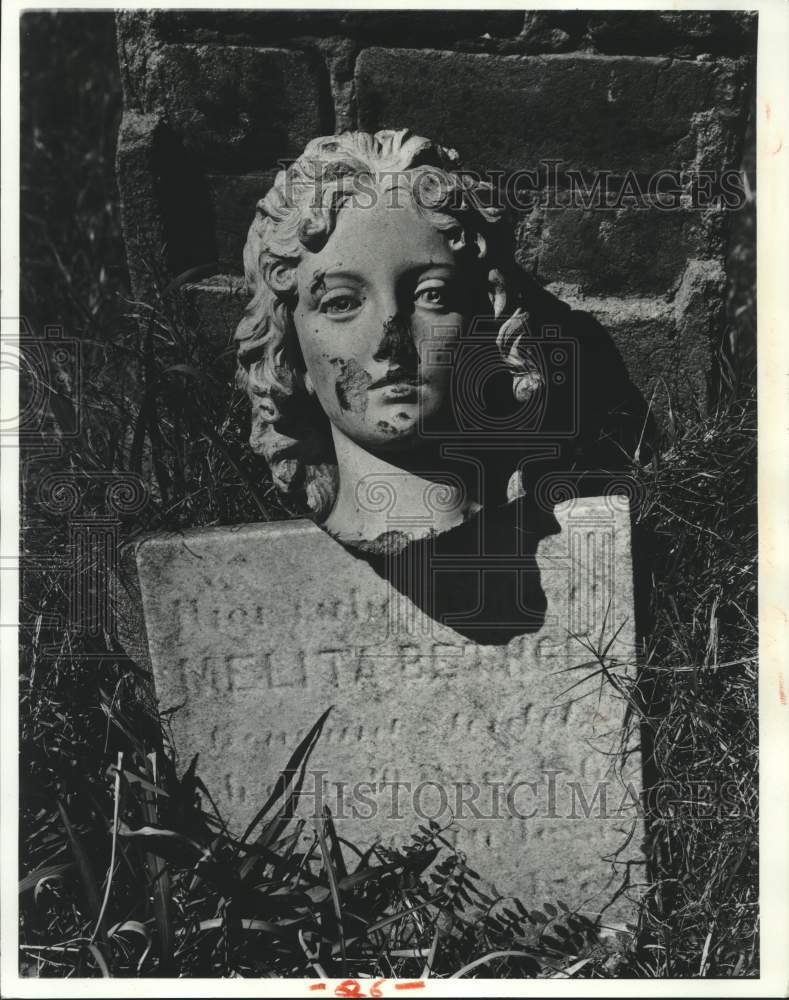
column 407, row 709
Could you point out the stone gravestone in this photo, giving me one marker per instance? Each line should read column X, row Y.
column 254, row 631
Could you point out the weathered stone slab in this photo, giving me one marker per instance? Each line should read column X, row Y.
column 667, row 346
column 254, row 631
column 613, row 252
column 215, row 306
column 233, row 107
column 589, row 112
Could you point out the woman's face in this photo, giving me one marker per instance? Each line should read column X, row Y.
column 376, row 307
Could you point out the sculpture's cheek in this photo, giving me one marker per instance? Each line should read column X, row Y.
column 351, row 386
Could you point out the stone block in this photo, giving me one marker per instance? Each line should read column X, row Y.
column 615, row 251
column 214, row 309
column 699, row 306
column 589, row 112
column 234, row 107
column 553, row 30
column 256, row 630
column 645, row 32
column 681, row 33
column 666, row 345
column 141, row 216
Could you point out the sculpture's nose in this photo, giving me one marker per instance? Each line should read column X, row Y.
column 397, row 343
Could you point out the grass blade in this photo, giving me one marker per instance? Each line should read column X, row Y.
column 89, row 883
column 335, row 892
column 111, row 870
column 293, row 771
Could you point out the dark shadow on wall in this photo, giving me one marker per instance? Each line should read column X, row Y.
column 184, row 200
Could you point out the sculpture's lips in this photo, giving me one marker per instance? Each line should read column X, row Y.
column 398, row 376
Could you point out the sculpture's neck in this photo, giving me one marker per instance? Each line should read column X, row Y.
column 377, row 496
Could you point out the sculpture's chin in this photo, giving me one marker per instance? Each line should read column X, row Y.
column 395, row 425
column 392, row 430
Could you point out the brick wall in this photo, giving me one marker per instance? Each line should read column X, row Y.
column 214, row 100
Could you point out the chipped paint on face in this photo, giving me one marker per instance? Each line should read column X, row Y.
column 318, row 282
column 351, row 385
column 397, row 344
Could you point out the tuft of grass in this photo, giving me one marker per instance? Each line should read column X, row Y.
column 699, row 682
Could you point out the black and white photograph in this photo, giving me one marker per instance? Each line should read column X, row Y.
column 385, row 466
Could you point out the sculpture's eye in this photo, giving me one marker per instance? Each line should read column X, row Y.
column 431, row 295
column 340, row 303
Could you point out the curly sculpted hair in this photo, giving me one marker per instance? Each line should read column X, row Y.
column 299, row 214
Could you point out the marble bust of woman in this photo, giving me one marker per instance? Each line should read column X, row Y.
column 372, row 263
column 368, row 262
